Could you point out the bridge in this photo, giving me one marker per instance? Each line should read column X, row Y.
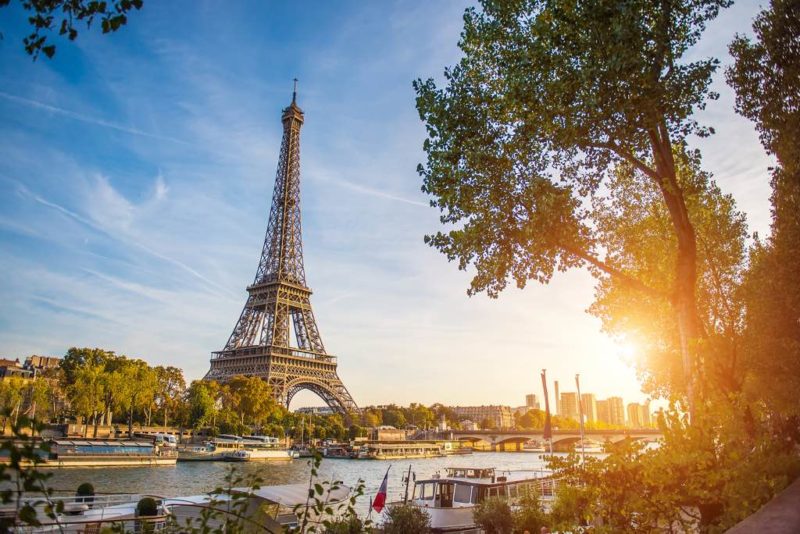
column 511, row 440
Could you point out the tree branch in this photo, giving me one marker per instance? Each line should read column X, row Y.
column 630, row 158
column 614, row 272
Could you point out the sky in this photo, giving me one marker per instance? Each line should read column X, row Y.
column 136, row 171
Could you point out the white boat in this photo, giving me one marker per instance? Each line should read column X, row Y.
column 450, row 500
column 270, row 507
column 260, row 455
column 590, row 446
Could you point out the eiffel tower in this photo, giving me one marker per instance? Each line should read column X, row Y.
column 279, row 300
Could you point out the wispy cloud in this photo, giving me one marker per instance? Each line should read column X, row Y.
column 88, row 119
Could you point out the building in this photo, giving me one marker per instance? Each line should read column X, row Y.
column 12, row 368
column 569, row 405
column 497, row 416
column 468, row 425
column 558, row 401
column 42, row 363
column 589, row 407
column 387, row 433
column 602, row 411
column 531, row 402
column 616, row 411
column 639, row 415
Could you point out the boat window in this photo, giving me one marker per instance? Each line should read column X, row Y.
column 427, row 492
column 446, row 492
column 463, row 493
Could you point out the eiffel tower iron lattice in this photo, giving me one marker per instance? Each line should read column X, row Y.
column 279, row 300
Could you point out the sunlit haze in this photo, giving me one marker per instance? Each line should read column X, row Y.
column 136, row 172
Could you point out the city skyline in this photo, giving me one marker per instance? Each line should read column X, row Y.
column 135, row 204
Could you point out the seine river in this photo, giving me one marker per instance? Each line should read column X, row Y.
column 193, row 478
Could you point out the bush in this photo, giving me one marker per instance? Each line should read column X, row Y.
column 350, row 524
column 529, row 516
column 147, row 507
column 406, row 519
column 494, row 516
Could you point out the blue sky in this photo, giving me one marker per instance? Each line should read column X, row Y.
column 135, row 178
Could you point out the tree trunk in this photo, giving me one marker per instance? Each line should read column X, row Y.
column 130, row 421
column 684, row 298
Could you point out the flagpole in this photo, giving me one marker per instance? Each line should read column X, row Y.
column 580, row 416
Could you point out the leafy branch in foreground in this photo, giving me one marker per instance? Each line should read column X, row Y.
column 64, row 15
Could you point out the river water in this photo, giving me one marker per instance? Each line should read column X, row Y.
column 194, row 478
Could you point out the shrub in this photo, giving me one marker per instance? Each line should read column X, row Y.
column 494, row 516
column 529, row 516
column 406, row 519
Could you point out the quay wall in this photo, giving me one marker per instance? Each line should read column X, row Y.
column 781, row 515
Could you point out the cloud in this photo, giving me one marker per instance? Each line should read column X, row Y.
column 87, row 119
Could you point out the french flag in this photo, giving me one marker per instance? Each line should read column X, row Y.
column 380, row 498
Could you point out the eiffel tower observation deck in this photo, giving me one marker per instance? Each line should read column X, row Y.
column 279, row 300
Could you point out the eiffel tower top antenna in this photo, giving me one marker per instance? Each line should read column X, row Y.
column 294, row 93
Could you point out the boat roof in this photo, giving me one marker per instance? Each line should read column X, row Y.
column 293, row 494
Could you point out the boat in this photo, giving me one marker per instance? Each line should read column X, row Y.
column 394, row 450
column 450, row 500
column 207, row 452
column 260, row 455
column 123, row 453
column 534, row 446
column 336, row 452
column 271, row 508
column 590, row 446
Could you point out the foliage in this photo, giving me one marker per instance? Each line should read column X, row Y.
column 349, row 524
column 544, row 107
column 494, row 516
column 402, row 519
column 528, row 515
column 766, row 76
column 64, row 15
column 20, row 477
column 693, row 481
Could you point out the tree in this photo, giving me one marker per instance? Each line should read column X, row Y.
column 766, row 77
column 251, row 398
column 140, row 386
column 494, row 516
column 202, row 400
column 86, row 392
column 170, row 388
column 47, row 15
column 548, row 101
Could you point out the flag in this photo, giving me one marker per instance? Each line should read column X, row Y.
column 548, row 431
column 380, row 498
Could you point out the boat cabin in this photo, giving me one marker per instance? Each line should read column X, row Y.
column 466, row 487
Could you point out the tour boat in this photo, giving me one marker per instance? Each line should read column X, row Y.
column 88, row 453
column 398, row 450
column 534, row 446
column 260, row 455
column 207, row 452
column 450, row 500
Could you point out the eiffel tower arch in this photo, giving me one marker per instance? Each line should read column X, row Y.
column 279, row 301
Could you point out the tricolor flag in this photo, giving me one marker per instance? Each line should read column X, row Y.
column 380, row 498
column 548, row 431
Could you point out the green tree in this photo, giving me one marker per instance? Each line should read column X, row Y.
column 170, row 390
column 766, row 77
column 86, row 393
column 47, row 16
column 140, row 386
column 544, row 106
column 202, row 401
column 251, row 398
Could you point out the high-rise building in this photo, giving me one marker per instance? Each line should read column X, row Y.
column 558, row 401
column 531, row 402
column 635, row 415
column 602, row 411
column 616, row 411
column 647, row 418
column 569, row 405
column 589, row 407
